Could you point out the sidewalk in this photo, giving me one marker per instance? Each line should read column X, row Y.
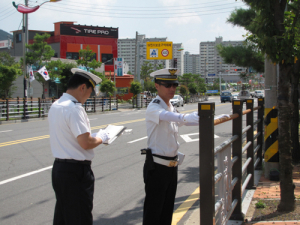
column 266, row 190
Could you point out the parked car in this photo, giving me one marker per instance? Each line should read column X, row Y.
column 226, row 96
column 235, row 96
column 177, row 100
column 258, row 94
column 244, row 94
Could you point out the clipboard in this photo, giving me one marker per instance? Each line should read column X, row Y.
column 114, row 132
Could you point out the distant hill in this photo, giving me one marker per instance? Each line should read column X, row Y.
column 4, row 34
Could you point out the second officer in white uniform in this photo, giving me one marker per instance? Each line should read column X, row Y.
column 160, row 168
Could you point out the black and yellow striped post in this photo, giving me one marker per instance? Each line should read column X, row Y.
column 271, row 133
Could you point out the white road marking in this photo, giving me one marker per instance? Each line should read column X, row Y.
column 5, row 131
column 25, row 175
column 187, row 137
column 137, row 140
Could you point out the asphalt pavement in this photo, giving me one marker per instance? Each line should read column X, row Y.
column 26, row 195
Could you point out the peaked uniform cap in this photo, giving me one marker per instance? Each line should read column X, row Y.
column 91, row 77
column 169, row 75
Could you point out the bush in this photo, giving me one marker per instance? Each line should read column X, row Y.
column 129, row 101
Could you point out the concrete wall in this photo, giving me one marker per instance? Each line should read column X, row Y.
column 35, row 90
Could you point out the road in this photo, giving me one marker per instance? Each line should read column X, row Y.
column 26, row 194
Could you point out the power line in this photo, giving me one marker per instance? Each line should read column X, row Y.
column 137, row 17
column 8, row 16
column 147, row 10
column 146, row 7
column 10, row 6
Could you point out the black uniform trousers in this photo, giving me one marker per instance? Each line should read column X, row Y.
column 160, row 188
column 73, row 185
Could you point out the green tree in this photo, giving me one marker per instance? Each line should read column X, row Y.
column 146, row 69
column 193, row 89
column 107, row 87
column 39, row 54
column 186, row 79
column 87, row 59
column 275, row 31
column 55, row 69
column 9, row 71
column 66, row 74
column 158, row 66
column 216, row 84
column 243, row 55
column 184, row 91
column 149, row 85
column 135, row 88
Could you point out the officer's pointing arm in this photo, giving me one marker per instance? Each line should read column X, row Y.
column 187, row 119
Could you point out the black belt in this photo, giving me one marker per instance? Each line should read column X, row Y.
column 86, row 162
column 165, row 157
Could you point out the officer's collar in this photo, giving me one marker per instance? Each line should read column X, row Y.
column 70, row 97
column 164, row 105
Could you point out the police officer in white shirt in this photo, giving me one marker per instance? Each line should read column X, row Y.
column 72, row 147
column 160, row 168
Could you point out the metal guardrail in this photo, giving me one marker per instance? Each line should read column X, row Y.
column 14, row 109
column 228, row 180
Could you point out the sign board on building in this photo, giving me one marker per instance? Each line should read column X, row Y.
column 89, row 31
column 5, row 44
column 119, row 66
column 211, row 74
column 212, row 91
column 159, row 50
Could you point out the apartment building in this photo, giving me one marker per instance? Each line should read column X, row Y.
column 127, row 48
column 191, row 63
column 211, row 63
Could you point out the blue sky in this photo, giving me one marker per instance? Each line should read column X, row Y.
column 188, row 22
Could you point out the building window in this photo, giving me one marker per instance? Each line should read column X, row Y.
column 72, row 55
column 107, row 59
column 19, row 37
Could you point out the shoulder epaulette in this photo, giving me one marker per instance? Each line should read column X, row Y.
column 156, row 101
column 77, row 103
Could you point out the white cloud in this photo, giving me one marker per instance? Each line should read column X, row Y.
column 192, row 45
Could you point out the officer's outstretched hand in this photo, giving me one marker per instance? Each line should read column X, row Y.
column 103, row 135
column 191, row 118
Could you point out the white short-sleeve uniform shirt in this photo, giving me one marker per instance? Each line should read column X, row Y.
column 162, row 135
column 68, row 120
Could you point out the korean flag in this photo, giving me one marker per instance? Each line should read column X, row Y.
column 31, row 75
column 43, row 71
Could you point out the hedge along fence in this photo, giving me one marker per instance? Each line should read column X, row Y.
column 21, row 108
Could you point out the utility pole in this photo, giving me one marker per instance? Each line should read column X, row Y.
column 220, row 82
column 24, row 42
column 136, row 54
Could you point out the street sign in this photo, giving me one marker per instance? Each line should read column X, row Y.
column 159, row 50
column 211, row 74
column 212, row 91
column 119, row 66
